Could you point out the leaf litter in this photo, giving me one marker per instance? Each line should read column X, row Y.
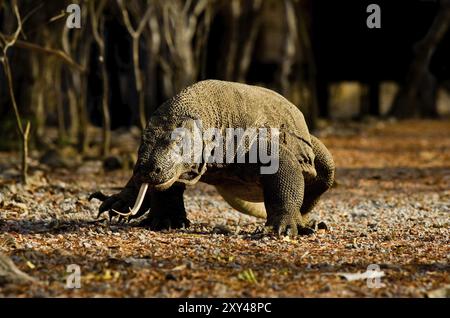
column 390, row 207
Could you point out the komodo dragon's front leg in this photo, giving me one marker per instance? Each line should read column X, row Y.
column 167, row 210
column 283, row 195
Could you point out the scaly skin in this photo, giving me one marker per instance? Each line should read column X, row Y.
column 306, row 168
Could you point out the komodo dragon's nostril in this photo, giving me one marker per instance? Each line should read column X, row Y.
column 158, row 170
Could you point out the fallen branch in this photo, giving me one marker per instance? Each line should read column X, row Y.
column 9, row 273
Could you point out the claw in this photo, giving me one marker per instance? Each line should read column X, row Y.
column 280, row 230
column 264, row 229
column 122, row 219
column 306, row 231
column 167, row 225
column 100, row 212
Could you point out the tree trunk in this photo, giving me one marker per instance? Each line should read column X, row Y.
column 98, row 23
column 418, row 96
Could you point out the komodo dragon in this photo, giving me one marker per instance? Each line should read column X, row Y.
column 305, row 168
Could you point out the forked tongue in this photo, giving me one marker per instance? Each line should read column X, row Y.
column 137, row 203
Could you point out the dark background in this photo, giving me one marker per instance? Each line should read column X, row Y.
column 342, row 48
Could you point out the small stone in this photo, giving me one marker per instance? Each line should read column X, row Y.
column 138, row 262
column 222, row 229
column 443, row 292
column 170, row 276
column 322, row 226
column 306, row 231
column 325, row 289
column 220, row 290
column 276, row 287
column 190, row 265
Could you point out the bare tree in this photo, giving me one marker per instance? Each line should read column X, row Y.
column 418, row 95
column 290, row 44
column 98, row 24
column 79, row 45
column 308, row 67
column 248, row 45
column 153, row 39
column 135, row 36
column 244, row 21
column 71, row 92
column 235, row 11
column 24, row 132
column 180, row 21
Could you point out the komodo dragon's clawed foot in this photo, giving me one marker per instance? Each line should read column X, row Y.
column 167, row 210
column 286, row 227
column 165, row 222
column 118, row 202
column 315, row 224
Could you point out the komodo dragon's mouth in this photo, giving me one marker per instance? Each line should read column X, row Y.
column 141, row 195
column 182, row 179
column 165, row 185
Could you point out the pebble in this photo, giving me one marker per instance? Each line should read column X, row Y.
column 322, row 226
column 171, row 276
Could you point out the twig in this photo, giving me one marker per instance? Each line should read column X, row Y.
column 57, row 53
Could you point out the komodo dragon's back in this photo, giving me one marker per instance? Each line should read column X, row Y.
column 222, row 104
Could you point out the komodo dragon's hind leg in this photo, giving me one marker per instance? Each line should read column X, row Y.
column 283, row 195
column 325, row 168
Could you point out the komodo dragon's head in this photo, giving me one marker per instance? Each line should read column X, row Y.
column 166, row 152
column 162, row 158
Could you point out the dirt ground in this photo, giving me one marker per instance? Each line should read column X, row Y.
column 390, row 208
